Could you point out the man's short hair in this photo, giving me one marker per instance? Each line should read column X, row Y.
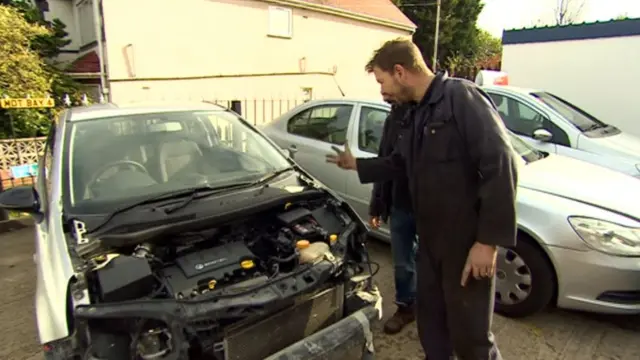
column 401, row 51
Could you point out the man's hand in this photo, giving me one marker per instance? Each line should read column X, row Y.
column 375, row 221
column 481, row 262
column 344, row 159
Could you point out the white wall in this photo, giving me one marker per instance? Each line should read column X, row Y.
column 170, row 38
column 601, row 76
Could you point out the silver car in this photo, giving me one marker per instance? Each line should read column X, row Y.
column 552, row 124
column 579, row 224
column 178, row 232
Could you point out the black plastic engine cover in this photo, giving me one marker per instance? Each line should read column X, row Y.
column 221, row 263
column 125, row 278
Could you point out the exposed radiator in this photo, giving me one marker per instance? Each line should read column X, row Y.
column 260, row 339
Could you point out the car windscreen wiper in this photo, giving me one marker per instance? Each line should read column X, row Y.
column 272, row 175
column 196, row 194
column 200, row 192
column 595, row 126
column 191, row 192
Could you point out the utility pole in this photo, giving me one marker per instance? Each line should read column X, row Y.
column 435, row 40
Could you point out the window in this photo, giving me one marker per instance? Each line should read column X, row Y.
column 280, row 22
column 327, row 123
column 523, row 120
column 85, row 20
column 578, row 117
column 371, row 125
column 176, row 156
column 518, row 117
column 229, row 133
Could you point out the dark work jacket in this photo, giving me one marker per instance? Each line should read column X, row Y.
column 461, row 169
column 396, row 192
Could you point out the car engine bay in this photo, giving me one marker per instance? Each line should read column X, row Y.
column 185, row 289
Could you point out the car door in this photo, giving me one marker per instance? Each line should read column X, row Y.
column 312, row 132
column 523, row 119
column 366, row 132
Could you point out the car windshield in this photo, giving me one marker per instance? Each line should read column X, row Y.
column 578, row 117
column 114, row 161
column 526, row 152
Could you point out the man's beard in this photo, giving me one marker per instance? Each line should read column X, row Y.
column 404, row 94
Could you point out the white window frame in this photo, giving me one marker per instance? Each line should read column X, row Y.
column 273, row 30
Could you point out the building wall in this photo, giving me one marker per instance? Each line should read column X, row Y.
column 77, row 15
column 201, row 38
column 598, row 75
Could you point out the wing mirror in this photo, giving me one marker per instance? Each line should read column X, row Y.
column 288, row 152
column 543, row 135
column 21, row 199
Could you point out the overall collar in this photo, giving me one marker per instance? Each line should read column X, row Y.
column 435, row 92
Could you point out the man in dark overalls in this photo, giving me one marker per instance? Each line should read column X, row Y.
column 391, row 202
column 462, row 177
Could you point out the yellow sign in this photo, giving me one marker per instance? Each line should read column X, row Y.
column 9, row 103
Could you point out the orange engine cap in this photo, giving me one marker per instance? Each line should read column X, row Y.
column 302, row 244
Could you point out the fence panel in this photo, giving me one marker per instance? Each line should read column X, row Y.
column 18, row 159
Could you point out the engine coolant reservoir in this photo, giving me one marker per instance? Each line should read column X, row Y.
column 310, row 252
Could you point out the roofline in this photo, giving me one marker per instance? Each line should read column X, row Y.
column 572, row 32
column 84, row 75
column 344, row 13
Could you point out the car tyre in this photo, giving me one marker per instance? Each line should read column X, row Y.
column 537, row 271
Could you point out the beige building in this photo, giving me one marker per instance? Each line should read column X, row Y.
column 228, row 49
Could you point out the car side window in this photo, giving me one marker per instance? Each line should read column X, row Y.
column 327, row 123
column 524, row 120
column 370, row 128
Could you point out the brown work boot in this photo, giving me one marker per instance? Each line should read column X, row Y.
column 403, row 316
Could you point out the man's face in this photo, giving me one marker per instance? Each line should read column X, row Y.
column 393, row 85
column 389, row 100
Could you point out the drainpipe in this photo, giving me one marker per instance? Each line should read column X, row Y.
column 435, row 41
column 97, row 22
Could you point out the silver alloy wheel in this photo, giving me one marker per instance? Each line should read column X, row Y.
column 513, row 278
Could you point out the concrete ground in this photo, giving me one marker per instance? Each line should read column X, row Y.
column 551, row 335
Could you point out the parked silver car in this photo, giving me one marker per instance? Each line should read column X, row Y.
column 579, row 224
column 552, row 124
column 178, row 232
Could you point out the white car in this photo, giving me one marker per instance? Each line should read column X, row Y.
column 579, row 224
column 554, row 125
column 181, row 232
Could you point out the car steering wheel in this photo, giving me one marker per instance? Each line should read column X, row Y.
column 115, row 164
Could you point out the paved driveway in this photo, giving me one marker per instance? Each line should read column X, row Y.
column 547, row 336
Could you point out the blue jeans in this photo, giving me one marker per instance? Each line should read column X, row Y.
column 404, row 244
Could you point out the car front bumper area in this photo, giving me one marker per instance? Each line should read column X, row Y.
column 349, row 338
column 331, row 321
column 596, row 282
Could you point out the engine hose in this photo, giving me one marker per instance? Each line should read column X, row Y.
column 284, row 260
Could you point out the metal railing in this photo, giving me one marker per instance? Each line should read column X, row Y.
column 259, row 111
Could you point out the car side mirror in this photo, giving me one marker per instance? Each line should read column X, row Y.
column 543, row 135
column 288, row 152
column 20, row 198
